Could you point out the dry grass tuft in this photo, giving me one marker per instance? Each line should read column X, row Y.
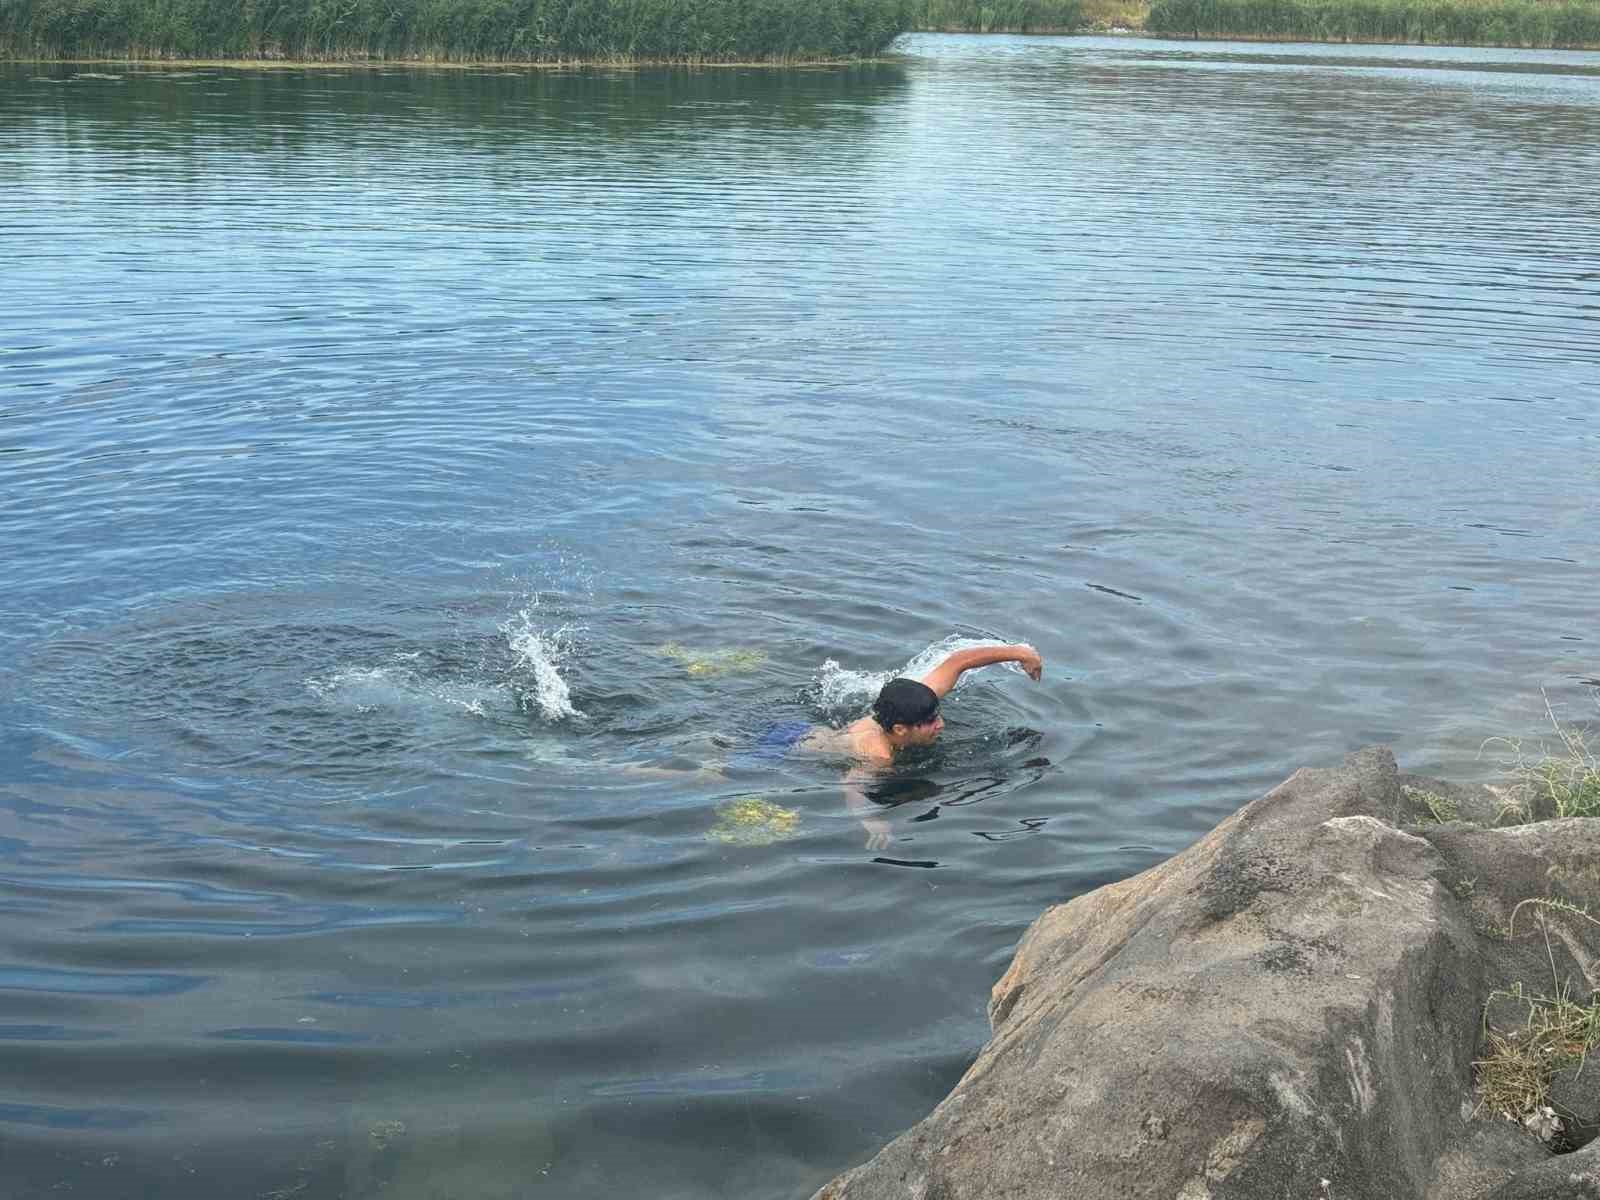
column 1514, row 1076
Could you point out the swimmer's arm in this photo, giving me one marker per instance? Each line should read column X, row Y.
column 943, row 677
column 855, row 798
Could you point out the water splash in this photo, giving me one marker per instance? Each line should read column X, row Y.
column 838, row 692
column 368, row 689
column 540, row 655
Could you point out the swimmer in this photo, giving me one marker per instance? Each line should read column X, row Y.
column 906, row 714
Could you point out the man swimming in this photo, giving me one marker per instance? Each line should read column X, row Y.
column 906, row 712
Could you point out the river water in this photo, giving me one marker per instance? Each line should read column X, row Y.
column 409, row 478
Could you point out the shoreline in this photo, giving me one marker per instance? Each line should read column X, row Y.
column 1581, row 48
column 1205, row 36
column 412, row 64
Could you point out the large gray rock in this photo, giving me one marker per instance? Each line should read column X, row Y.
column 1289, row 1008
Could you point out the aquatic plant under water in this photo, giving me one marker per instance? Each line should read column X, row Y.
column 703, row 663
column 752, row 821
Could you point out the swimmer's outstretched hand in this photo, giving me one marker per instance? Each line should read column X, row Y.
column 1028, row 659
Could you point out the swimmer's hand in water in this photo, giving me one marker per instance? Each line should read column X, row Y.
column 877, row 833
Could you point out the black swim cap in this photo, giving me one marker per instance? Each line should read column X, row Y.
column 905, row 702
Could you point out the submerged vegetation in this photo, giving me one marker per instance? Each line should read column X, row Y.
column 753, row 821
column 702, row 663
column 531, row 31
column 1530, row 23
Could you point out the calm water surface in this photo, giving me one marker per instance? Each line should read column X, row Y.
column 392, row 463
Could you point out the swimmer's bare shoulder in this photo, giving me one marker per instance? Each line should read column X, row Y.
column 862, row 739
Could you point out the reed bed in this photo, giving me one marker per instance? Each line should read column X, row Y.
column 998, row 16
column 1565, row 24
column 531, row 31
column 1126, row 15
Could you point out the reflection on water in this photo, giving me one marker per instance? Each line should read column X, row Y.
column 422, row 490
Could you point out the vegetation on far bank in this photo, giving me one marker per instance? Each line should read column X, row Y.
column 1029, row 16
column 998, row 16
column 720, row 31
column 1529, row 23
column 529, row 31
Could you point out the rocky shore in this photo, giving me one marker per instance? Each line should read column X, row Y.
column 1299, row 1006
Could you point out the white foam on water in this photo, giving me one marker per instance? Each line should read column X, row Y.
column 837, row 688
column 368, row 689
column 540, row 655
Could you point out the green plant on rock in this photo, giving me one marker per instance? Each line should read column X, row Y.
column 1543, row 904
column 1560, row 783
column 1441, row 808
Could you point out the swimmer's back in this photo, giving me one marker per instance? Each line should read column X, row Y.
column 860, row 740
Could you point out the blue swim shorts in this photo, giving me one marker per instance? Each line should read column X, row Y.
column 780, row 738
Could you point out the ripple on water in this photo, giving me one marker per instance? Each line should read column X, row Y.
column 418, row 485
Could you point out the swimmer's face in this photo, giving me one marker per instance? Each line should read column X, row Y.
column 925, row 734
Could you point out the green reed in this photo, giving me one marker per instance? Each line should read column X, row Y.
column 996, row 16
column 1532, row 23
column 453, row 30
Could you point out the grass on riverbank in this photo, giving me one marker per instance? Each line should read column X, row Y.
column 530, row 31
column 1528, row 23
column 1573, row 24
column 1028, row 16
column 1553, row 782
column 998, row 16
column 1516, row 1073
